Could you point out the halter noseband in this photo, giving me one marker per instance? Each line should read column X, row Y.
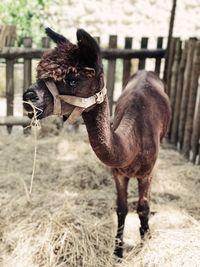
column 79, row 103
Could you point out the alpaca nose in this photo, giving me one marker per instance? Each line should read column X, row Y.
column 30, row 95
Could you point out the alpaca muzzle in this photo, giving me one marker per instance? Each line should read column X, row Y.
column 76, row 105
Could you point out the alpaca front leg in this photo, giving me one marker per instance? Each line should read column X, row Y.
column 122, row 210
column 143, row 208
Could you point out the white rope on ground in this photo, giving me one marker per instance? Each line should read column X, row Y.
column 35, row 124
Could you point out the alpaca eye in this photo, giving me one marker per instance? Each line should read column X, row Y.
column 73, row 83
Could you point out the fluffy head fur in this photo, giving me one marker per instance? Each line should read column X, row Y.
column 60, row 61
column 81, row 59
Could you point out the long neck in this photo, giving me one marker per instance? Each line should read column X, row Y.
column 110, row 146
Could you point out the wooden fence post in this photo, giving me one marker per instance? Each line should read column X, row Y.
column 198, row 162
column 174, row 71
column 46, row 42
column 170, row 62
column 196, row 134
column 176, row 113
column 185, row 94
column 158, row 60
column 9, row 89
column 169, row 40
column 192, row 99
column 142, row 61
column 127, row 62
column 174, row 77
column 27, row 42
column 9, row 41
column 111, row 72
column 7, row 35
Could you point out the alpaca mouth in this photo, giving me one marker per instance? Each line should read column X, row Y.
column 30, row 115
column 32, row 110
column 35, row 114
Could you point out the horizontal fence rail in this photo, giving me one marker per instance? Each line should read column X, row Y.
column 109, row 53
column 132, row 53
column 18, row 52
column 13, row 120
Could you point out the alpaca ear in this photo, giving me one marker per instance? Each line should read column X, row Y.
column 88, row 48
column 57, row 38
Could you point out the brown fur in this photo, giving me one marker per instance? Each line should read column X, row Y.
column 130, row 147
column 59, row 62
column 140, row 122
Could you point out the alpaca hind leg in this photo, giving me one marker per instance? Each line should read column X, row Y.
column 122, row 210
column 143, row 208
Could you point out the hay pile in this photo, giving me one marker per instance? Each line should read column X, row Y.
column 175, row 241
column 67, row 221
column 70, row 218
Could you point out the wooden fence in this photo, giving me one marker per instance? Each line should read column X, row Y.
column 183, row 77
column 11, row 55
column 7, row 35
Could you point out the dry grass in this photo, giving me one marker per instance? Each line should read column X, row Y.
column 175, row 241
column 69, row 219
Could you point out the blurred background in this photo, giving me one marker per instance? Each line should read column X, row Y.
column 101, row 17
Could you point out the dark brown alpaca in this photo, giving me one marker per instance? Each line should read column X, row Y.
column 130, row 145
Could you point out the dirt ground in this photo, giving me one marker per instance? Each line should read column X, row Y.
column 69, row 218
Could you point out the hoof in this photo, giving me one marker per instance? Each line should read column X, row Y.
column 118, row 252
column 144, row 232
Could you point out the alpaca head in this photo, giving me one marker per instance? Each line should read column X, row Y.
column 75, row 69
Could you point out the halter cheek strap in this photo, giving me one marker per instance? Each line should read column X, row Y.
column 56, row 102
column 79, row 103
